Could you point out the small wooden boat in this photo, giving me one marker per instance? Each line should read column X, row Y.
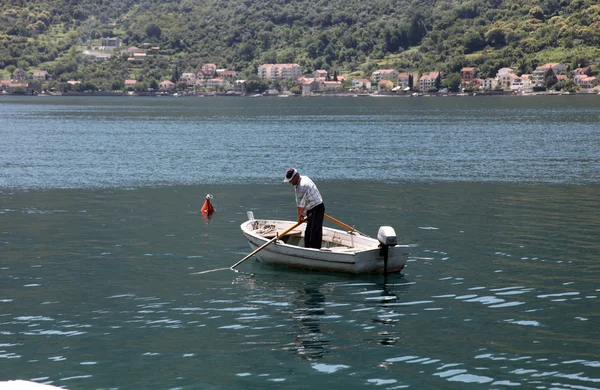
column 341, row 251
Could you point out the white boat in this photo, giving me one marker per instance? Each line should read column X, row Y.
column 341, row 251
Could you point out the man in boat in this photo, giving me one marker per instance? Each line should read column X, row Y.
column 308, row 198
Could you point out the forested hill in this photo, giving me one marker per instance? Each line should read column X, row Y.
column 345, row 36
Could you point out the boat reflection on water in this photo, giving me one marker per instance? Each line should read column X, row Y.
column 314, row 307
column 310, row 342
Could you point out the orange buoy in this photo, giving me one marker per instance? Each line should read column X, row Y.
column 207, row 207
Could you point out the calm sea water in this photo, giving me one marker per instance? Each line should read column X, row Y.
column 100, row 234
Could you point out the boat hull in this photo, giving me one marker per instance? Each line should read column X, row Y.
column 342, row 252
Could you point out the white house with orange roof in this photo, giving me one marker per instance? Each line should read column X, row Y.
column 320, row 73
column 585, row 82
column 385, row 85
column 166, row 85
column 504, row 77
column 362, row 84
column 216, row 83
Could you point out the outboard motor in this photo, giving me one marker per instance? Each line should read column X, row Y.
column 387, row 237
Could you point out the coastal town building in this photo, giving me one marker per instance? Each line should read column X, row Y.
column 489, row 83
column 239, row 86
column 227, row 74
column 407, row 80
column 208, row 70
column 467, row 75
column 329, row 86
column 139, row 56
column 40, row 75
column 215, row 84
column 385, row 85
column 108, row 43
column 310, row 85
column 19, row 75
column 585, row 82
column 504, row 77
column 384, row 74
column 320, row 73
column 166, row 85
column 429, row 81
column 188, row 78
column 279, row 71
column 361, row 84
column 539, row 73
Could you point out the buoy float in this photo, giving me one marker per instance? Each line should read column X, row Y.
column 207, row 207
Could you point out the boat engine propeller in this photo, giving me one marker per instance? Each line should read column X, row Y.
column 386, row 237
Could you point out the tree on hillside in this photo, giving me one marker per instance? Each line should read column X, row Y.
column 495, row 37
column 153, row 30
column 176, row 75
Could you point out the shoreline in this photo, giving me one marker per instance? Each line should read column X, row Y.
column 324, row 95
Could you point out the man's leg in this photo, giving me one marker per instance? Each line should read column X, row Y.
column 308, row 230
column 313, row 235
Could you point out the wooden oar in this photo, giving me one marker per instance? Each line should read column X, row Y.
column 342, row 224
column 263, row 246
column 255, row 251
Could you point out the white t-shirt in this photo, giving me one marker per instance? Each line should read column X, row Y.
column 307, row 194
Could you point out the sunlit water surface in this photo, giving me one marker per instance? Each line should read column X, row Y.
column 100, row 234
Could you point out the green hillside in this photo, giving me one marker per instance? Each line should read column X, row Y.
column 343, row 36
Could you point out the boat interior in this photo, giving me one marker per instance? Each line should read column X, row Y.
column 333, row 240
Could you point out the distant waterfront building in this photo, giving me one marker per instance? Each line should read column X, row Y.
column 279, row 71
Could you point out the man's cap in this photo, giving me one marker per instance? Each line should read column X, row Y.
column 289, row 174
